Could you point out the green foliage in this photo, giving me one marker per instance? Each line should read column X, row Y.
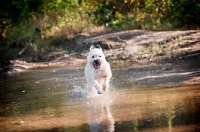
column 145, row 14
column 109, row 10
column 61, row 20
column 185, row 11
column 149, row 14
column 21, row 9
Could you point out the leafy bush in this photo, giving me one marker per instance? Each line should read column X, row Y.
column 61, row 20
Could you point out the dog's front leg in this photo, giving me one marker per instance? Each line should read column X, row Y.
column 106, row 83
column 98, row 87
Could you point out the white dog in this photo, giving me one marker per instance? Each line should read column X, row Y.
column 97, row 70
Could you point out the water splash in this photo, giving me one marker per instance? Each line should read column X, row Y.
column 78, row 93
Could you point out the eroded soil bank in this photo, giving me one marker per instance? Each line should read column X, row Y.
column 174, row 56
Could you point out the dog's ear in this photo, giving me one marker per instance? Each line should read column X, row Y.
column 99, row 46
column 92, row 47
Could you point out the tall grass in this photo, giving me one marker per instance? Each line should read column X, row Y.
column 57, row 28
column 155, row 49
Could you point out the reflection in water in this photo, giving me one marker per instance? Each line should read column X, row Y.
column 55, row 100
column 99, row 113
column 159, row 109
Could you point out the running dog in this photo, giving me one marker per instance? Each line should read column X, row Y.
column 97, row 70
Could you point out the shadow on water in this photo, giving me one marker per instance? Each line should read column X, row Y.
column 55, row 100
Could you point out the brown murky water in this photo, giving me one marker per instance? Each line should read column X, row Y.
column 52, row 100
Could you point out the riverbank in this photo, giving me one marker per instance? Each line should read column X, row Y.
column 158, row 57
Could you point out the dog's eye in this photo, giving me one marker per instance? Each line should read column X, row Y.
column 93, row 56
column 99, row 56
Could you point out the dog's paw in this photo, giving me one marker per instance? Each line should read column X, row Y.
column 99, row 91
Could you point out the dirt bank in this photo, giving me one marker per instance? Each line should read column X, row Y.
column 174, row 56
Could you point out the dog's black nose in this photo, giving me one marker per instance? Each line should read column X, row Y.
column 97, row 61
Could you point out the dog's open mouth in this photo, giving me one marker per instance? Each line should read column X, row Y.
column 97, row 64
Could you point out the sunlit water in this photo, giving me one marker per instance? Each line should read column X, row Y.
column 56, row 100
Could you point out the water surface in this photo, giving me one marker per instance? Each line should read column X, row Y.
column 55, row 99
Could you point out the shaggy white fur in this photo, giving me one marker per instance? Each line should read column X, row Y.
column 97, row 70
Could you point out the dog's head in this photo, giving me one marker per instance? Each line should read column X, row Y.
column 96, row 57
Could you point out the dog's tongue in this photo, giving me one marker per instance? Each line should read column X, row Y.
column 96, row 66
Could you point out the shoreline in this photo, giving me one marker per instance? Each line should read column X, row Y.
column 181, row 66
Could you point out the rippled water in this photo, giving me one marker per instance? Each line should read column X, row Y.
column 55, row 100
